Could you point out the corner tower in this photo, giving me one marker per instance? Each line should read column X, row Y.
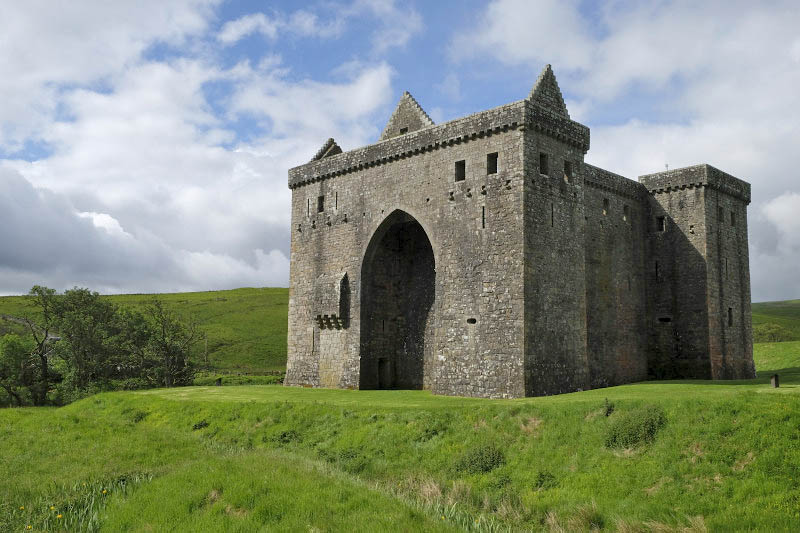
column 698, row 275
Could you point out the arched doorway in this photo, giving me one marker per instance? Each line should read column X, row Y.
column 398, row 278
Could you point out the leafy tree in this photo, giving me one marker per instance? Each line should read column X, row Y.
column 17, row 369
column 46, row 301
column 169, row 345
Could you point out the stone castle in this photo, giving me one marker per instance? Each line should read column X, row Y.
column 484, row 257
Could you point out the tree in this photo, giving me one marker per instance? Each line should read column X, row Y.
column 17, row 369
column 170, row 344
column 46, row 301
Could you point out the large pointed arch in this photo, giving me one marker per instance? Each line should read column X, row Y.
column 398, row 291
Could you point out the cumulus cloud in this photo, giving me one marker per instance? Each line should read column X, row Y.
column 235, row 30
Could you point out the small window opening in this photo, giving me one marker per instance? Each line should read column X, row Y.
column 626, row 213
column 568, row 171
column 320, row 204
column 403, row 131
column 664, row 319
column 730, row 316
column 552, row 215
column 727, row 276
column 544, row 168
column 733, row 218
column 483, row 217
column 491, row 163
column 308, row 207
column 606, row 205
column 336, row 201
column 658, row 272
column 472, row 321
column 661, row 224
column 461, row 170
column 383, row 325
column 721, row 214
column 691, row 229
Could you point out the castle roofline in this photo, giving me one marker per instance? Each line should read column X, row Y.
column 703, row 175
column 516, row 115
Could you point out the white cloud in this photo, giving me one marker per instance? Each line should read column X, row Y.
column 235, row 30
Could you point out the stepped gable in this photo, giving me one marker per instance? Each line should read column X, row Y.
column 328, row 149
column 408, row 116
column 546, row 93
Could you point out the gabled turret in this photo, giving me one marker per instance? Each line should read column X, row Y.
column 328, row 149
column 547, row 94
column 408, row 116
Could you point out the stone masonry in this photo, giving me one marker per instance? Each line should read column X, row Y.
column 483, row 257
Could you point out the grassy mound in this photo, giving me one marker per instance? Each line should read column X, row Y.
column 246, row 457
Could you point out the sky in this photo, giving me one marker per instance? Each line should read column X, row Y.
column 144, row 146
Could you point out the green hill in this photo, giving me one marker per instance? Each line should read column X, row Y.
column 245, row 328
column 785, row 315
column 667, row 456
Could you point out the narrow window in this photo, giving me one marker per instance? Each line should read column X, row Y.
column 730, row 316
column 733, row 218
column 658, row 273
column 727, row 276
column 605, row 206
column 491, row 163
column 552, row 215
column 544, row 168
column 308, row 207
column 568, row 171
column 320, row 204
column 661, row 224
column 721, row 215
column 626, row 212
column 461, row 170
column 664, row 319
column 336, row 201
column 483, row 217
column 403, row 131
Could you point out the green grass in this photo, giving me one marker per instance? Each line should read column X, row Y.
column 278, row 458
column 246, row 328
column 785, row 314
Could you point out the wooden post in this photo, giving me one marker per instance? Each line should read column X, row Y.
column 775, row 381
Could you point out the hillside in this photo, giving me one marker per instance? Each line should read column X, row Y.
column 712, row 455
column 246, row 328
column 785, row 314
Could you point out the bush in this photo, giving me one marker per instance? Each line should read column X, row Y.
column 635, row 427
column 484, row 458
column 544, row 480
column 771, row 333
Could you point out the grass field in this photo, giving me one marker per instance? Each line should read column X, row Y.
column 785, row 314
column 241, row 458
column 656, row 456
column 245, row 328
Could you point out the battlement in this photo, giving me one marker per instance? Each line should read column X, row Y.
column 599, row 178
column 696, row 176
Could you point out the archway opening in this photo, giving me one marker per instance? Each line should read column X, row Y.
column 397, row 293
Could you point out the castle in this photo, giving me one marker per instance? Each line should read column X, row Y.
column 483, row 257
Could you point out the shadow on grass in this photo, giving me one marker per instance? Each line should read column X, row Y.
column 788, row 376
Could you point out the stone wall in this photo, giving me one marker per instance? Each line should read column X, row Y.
column 616, row 222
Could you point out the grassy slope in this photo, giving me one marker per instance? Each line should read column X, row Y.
column 246, row 328
column 785, row 314
column 291, row 458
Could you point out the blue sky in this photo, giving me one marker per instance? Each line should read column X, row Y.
column 144, row 146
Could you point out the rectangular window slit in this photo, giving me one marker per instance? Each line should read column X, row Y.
column 730, row 316
column 483, row 217
column 606, row 205
column 308, row 207
column 491, row 163
column 721, row 214
column 664, row 319
column 543, row 166
column 552, row 215
column 733, row 218
column 336, row 201
column 320, row 204
column 626, row 213
column 568, row 171
column 661, row 224
column 403, row 131
column 461, row 170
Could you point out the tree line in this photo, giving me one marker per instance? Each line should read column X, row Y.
column 78, row 343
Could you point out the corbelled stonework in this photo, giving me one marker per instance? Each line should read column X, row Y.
column 483, row 257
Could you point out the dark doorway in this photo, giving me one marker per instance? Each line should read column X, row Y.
column 397, row 294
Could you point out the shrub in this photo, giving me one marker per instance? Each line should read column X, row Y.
column 200, row 425
column 635, row 427
column 544, row 480
column 484, row 458
column 287, row 437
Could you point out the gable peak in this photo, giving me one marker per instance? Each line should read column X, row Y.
column 328, row 149
column 546, row 92
column 407, row 116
